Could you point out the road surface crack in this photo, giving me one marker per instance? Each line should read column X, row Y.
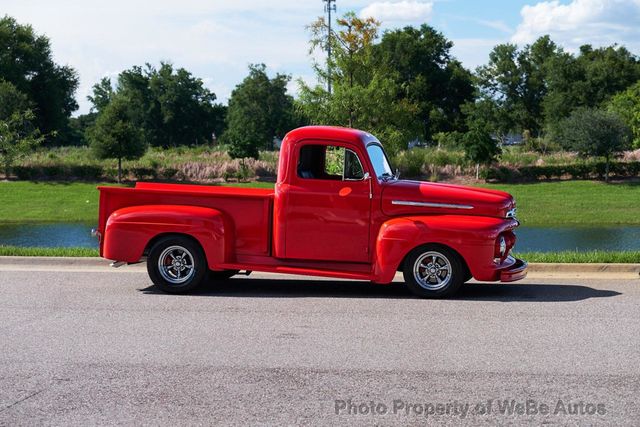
column 21, row 400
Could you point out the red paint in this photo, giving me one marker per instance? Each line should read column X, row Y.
column 323, row 226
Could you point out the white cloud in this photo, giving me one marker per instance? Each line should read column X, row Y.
column 398, row 11
column 213, row 39
column 597, row 22
column 496, row 25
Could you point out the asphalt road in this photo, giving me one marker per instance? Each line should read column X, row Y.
column 96, row 346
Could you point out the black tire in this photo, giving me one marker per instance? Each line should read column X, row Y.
column 439, row 271
column 178, row 253
column 467, row 275
column 215, row 276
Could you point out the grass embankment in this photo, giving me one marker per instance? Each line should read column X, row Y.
column 574, row 203
column 65, row 252
column 26, row 201
column 571, row 257
column 567, row 203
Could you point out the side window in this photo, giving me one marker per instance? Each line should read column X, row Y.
column 352, row 166
column 329, row 162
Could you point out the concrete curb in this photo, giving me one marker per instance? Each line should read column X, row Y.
column 535, row 269
column 583, row 268
column 54, row 261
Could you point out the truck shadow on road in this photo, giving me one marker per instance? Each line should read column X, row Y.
column 270, row 288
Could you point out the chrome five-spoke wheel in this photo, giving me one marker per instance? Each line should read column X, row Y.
column 434, row 271
column 176, row 265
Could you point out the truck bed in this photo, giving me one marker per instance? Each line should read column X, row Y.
column 249, row 209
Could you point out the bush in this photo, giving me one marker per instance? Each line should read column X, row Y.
column 449, row 140
column 541, row 145
column 584, row 170
column 410, row 162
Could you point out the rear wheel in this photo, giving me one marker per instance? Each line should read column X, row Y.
column 434, row 271
column 177, row 264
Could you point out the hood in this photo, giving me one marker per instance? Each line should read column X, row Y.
column 427, row 198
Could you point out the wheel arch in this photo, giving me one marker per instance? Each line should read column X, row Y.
column 436, row 245
column 131, row 231
column 153, row 240
column 399, row 236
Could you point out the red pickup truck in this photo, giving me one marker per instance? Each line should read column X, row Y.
column 337, row 210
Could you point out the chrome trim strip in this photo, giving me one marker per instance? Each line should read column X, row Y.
column 430, row 205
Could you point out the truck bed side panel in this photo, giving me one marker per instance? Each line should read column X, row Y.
column 250, row 213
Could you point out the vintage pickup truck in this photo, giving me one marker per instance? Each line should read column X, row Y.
column 337, row 210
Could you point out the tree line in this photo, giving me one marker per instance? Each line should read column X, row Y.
column 402, row 85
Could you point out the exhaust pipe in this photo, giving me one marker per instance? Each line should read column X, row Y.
column 116, row 264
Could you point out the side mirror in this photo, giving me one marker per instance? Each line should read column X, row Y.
column 366, row 176
column 397, row 175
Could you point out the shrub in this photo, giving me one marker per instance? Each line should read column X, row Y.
column 583, row 170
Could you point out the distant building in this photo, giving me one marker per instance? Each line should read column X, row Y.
column 509, row 139
column 416, row 143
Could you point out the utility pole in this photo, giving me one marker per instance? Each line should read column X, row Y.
column 330, row 5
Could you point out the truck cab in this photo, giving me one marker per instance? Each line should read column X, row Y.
column 336, row 210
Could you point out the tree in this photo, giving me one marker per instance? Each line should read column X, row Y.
column 480, row 147
column 364, row 95
column 588, row 80
column 594, row 132
column 516, row 82
column 259, row 111
column 102, row 94
column 172, row 107
column 115, row 135
column 18, row 135
column 627, row 105
column 26, row 61
column 78, row 127
column 429, row 76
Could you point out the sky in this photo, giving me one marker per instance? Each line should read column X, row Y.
column 217, row 40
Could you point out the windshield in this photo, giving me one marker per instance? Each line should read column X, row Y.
column 379, row 161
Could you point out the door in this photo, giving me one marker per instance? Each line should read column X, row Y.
column 329, row 205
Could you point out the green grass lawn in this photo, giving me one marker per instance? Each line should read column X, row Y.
column 66, row 252
column 26, row 201
column 573, row 203
column 571, row 257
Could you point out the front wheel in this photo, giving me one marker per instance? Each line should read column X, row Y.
column 434, row 271
column 177, row 264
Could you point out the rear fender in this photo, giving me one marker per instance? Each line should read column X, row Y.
column 129, row 230
column 473, row 238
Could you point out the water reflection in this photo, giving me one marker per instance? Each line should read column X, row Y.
column 541, row 239
column 545, row 239
column 67, row 234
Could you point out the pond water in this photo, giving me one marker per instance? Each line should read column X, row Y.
column 64, row 234
column 542, row 239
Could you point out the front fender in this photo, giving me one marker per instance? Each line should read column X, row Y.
column 473, row 237
column 129, row 231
